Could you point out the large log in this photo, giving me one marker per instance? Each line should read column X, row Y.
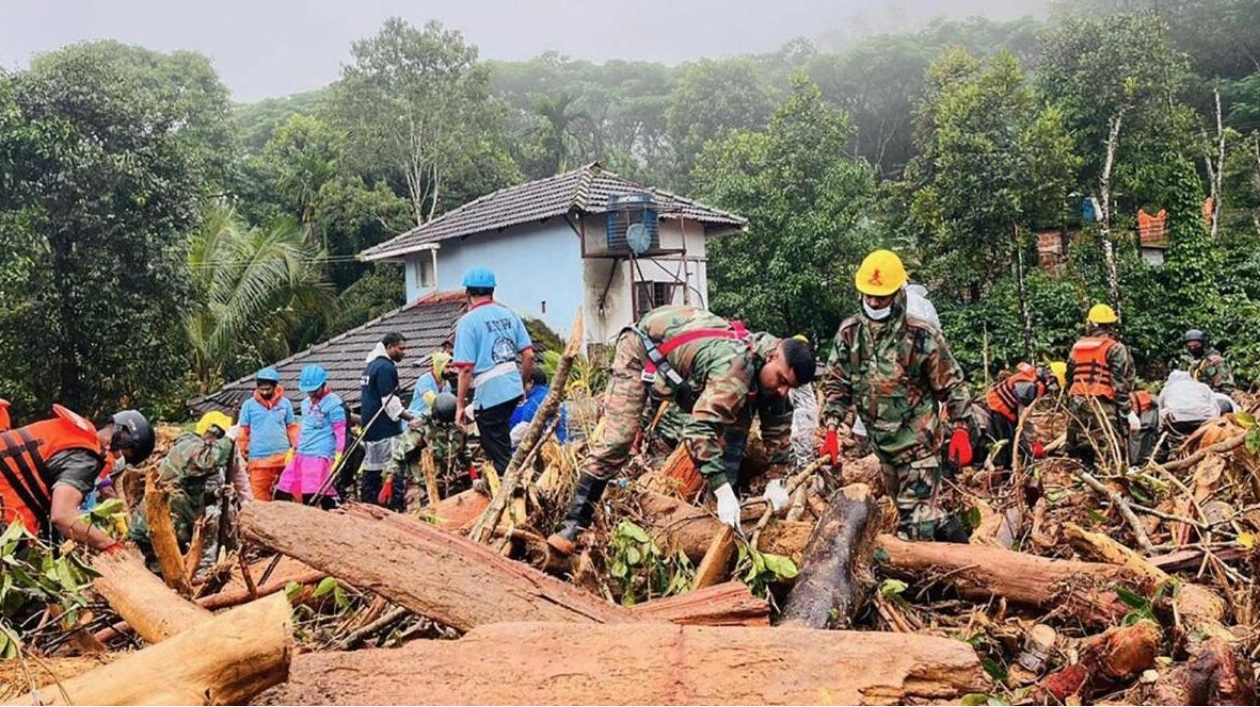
column 226, row 660
column 445, row 577
column 1084, row 591
column 1107, row 661
column 18, row 676
column 641, row 664
column 157, row 511
column 148, row 605
column 836, row 573
column 727, row 604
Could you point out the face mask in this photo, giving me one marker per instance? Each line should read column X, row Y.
column 1197, row 352
column 119, row 464
column 877, row 315
column 267, row 395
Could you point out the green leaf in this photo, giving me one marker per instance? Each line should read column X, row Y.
column 633, row 557
column 291, row 590
column 633, row 532
column 1132, row 599
column 892, row 587
column 326, row 585
column 782, row 567
column 1252, row 441
column 994, row 669
column 974, row 699
column 340, row 598
column 618, row 569
column 1096, row 516
column 1245, row 420
column 881, row 555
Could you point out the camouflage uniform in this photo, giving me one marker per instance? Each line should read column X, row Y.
column 896, row 373
column 721, row 374
column 669, row 431
column 1213, row 371
column 450, row 451
column 1088, row 413
column 193, row 471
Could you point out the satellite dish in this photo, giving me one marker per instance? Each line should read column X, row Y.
column 639, row 238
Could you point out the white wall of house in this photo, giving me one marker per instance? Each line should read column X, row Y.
column 538, row 268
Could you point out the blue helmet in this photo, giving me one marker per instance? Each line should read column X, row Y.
column 313, row 378
column 479, row 277
column 268, row 375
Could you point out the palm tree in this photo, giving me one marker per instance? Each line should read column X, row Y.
column 559, row 131
column 252, row 288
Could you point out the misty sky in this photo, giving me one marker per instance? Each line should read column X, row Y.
column 267, row 48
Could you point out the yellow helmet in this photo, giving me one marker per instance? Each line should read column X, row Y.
column 214, row 418
column 881, row 274
column 801, row 338
column 1059, row 369
column 1102, row 314
column 439, row 359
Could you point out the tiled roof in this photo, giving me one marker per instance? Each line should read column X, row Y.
column 426, row 323
column 583, row 191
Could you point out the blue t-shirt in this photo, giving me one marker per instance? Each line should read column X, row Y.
column 527, row 410
column 426, row 384
column 380, row 380
column 489, row 338
column 268, row 426
column 317, row 438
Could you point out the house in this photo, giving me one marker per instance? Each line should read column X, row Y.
column 548, row 242
column 426, row 322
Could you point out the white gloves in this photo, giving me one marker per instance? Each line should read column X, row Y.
column 233, row 432
column 1135, row 424
column 727, row 506
column 776, row 494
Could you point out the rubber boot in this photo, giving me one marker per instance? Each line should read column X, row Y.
column 581, row 511
column 953, row 530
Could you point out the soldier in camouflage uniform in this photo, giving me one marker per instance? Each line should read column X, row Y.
column 1100, row 375
column 439, row 432
column 897, row 370
column 711, row 368
column 193, row 472
column 1206, row 364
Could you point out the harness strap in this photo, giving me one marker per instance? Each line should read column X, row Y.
column 18, row 446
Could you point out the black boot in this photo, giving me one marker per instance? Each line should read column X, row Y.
column 953, row 530
column 581, row 511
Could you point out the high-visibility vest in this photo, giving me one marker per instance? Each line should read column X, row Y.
column 1001, row 397
column 25, row 480
column 1091, row 373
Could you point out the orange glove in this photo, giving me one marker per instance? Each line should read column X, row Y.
column 1038, row 450
column 114, row 549
column 472, row 472
column 831, row 447
column 387, row 490
column 960, row 447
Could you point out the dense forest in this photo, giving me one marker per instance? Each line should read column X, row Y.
column 160, row 240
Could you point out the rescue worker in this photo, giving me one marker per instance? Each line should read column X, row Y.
column 47, row 467
column 449, row 442
column 431, row 381
column 715, row 370
column 381, row 410
column 536, row 390
column 268, row 433
column 804, row 401
column 1185, row 404
column 1100, row 377
column 321, row 441
column 897, row 370
column 1206, row 364
column 191, row 473
column 1007, row 400
column 1142, row 443
column 489, row 339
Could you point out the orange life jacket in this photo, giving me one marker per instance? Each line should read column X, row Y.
column 1001, row 397
column 1142, row 402
column 1091, row 373
column 25, row 480
column 4, row 415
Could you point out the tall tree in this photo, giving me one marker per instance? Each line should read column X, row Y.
column 562, row 129
column 996, row 164
column 103, row 168
column 302, row 156
column 417, row 103
column 809, row 217
column 711, row 100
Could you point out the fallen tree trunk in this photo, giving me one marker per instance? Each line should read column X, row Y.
column 641, row 664
column 674, row 524
column 1083, row 590
column 18, row 676
column 226, row 660
column 1215, row 675
column 460, row 511
column 715, row 565
column 1228, row 445
column 157, row 512
column 836, row 573
column 149, row 606
column 727, row 604
column 436, row 574
column 1108, row 660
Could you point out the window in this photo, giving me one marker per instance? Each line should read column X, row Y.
column 650, row 295
column 424, row 271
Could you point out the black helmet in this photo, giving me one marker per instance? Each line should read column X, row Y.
column 1196, row 335
column 133, row 432
column 444, row 408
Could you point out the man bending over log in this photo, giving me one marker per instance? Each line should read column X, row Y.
column 717, row 371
